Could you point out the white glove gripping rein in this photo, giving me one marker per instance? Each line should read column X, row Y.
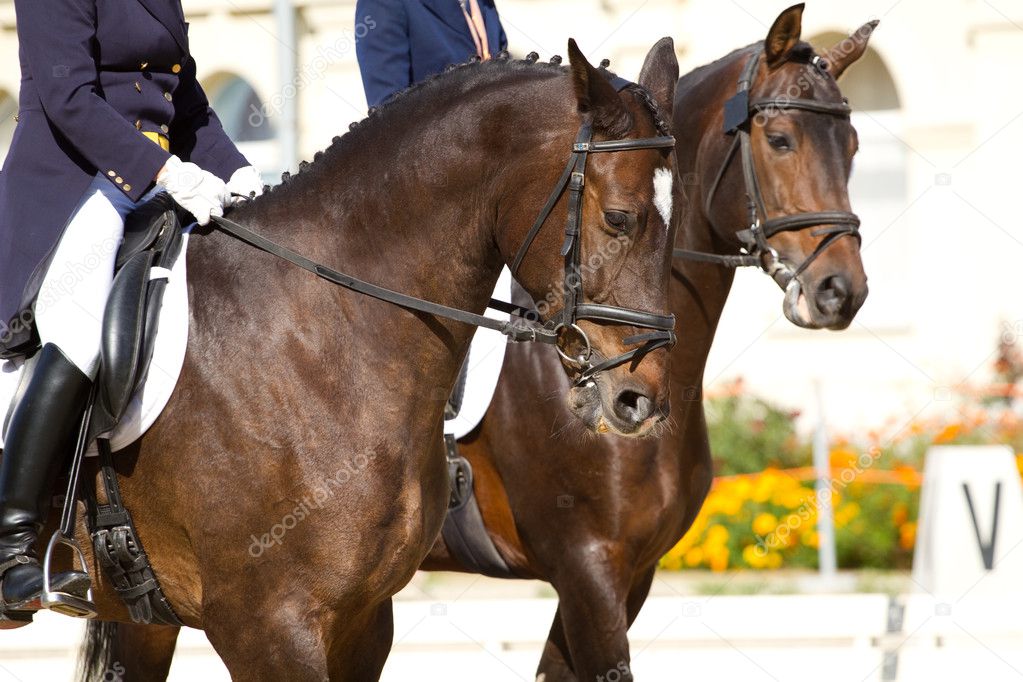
column 197, row 191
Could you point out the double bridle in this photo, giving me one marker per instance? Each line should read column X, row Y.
column 831, row 225
column 558, row 330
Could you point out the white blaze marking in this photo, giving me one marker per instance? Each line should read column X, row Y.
column 662, row 194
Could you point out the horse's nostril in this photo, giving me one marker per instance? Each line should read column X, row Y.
column 633, row 406
column 833, row 294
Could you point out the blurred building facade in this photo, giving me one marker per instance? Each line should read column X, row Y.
column 938, row 115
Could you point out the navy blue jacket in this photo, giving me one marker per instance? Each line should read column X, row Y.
column 408, row 40
column 96, row 74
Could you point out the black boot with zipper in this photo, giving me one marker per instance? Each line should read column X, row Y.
column 40, row 437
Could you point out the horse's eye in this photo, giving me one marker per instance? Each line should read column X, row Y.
column 779, row 142
column 616, row 220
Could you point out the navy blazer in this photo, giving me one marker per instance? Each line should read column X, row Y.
column 96, row 75
column 408, row 40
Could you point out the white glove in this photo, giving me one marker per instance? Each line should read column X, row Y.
column 197, row 191
column 245, row 183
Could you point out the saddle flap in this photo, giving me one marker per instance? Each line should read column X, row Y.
column 132, row 313
column 123, row 331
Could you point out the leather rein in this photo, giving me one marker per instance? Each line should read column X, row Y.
column 555, row 330
column 831, row 225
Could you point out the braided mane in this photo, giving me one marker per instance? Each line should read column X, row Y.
column 481, row 72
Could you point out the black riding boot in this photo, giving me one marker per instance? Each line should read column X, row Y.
column 41, row 435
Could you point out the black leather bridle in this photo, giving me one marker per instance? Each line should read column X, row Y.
column 556, row 330
column 831, row 225
column 564, row 323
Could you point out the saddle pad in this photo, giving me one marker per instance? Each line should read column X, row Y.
column 486, row 357
column 168, row 358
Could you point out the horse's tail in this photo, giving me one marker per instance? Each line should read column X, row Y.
column 96, row 653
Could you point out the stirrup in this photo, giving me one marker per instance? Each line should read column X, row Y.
column 64, row 602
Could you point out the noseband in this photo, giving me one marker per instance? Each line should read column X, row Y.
column 830, row 224
column 560, row 327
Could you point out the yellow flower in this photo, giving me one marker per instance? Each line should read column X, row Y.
column 754, row 556
column 846, row 513
column 764, row 486
column 717, row 536
column 765, row 524
column 694, row 557
column 718, row 558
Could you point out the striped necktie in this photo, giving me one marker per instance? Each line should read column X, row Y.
column 478, row 30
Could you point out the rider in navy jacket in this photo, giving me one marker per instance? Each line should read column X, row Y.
column 408, row 40
column 109, row 105
column 95, row 76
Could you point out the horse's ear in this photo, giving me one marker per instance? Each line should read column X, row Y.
column 596, row 96
column 784, row 35
column 842, row 55
column 660, row 74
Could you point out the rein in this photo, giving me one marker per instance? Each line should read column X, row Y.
column 555, row 330
column 831, row 225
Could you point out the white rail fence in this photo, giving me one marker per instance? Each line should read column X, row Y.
column 784, row 637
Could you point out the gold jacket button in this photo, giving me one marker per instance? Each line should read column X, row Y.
column 165, row 129
column 118, row 180
column 138, row 88
column 138, row 124
column 144, row 65
column 111, row 173
column 176, row 68
column 167, row 96
column 127, row 187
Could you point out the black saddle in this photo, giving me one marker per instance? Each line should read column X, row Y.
column 152, row 239
column 151, row 246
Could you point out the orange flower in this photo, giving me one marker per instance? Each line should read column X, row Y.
column 907, row 535
column 949, row 433
column 900, row 514
column 843, row 458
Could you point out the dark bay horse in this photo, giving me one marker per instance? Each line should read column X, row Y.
column 593, row 516
column 308, row 407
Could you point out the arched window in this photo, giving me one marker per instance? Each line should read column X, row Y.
column 244, row 115
column 879, row 188
column 8, row 110
column 247, row 120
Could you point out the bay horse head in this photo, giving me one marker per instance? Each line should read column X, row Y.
column 790, row 144
column 624, row 242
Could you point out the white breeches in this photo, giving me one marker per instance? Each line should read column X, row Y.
column 74, row 291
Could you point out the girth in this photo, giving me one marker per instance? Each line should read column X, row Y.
column 831, row 225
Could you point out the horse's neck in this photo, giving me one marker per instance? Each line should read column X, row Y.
column 432, row 244
column 698, row 294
